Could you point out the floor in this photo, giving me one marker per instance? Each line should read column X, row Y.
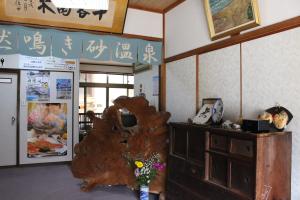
column 53, row 182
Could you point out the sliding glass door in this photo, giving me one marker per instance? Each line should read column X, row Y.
column 98, row 91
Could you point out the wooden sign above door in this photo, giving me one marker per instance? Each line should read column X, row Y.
column 43, row 12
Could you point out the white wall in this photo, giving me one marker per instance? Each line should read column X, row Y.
column 146, row 79
column 10, row 61
column 219, row 76
column 144, row 23
column 181, row 89
column 271, row 69
column 186, row 26
column 271, row 75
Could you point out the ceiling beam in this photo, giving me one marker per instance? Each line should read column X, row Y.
column 124, row 35
column 161, row 11
column 173, row 5
column 145, row 8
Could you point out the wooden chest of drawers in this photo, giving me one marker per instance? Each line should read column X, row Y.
column 208, row 163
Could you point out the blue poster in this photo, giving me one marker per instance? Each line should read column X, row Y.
column 63, row 89
column 37, row 88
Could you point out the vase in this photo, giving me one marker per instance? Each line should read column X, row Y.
column 144, row 192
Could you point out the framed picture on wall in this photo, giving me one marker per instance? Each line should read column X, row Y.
column 43, row 12
column 229, row 17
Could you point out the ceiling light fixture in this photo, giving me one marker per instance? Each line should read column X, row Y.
column 83, row 4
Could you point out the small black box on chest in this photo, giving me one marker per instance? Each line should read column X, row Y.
column 256, row 126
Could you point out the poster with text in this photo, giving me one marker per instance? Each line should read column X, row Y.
column 63, row 89
column 37, row 88
column 46, row 129
column 155, row 82
column 44, row 12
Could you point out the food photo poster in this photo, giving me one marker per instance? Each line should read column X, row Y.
column 47, row 129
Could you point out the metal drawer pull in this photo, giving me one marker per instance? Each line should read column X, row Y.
column 193, row 171
column 13, row 119
column 248, row 148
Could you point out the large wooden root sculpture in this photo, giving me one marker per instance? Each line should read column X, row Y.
column 100, row 158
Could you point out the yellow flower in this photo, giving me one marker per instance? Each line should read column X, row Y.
column 139, row 164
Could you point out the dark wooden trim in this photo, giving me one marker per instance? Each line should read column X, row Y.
column 83, row 30
column 107, row 85
column 197, row 84
column 163, row 87
column 146, row 9
column 173, row 5
column 124, row 20
column 125, row 35
column 84, row 99
column 241, row 82
column 159, row 87
column 107, row 96
column 262, row 32
column 108, row 73
column 100, row 64
column 161, row 11
column 163, row 72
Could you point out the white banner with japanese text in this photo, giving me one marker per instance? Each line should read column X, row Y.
column 74, row 45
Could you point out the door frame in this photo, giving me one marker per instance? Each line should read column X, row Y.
column 15, row 72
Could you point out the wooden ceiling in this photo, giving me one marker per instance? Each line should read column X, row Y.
column 160, row 6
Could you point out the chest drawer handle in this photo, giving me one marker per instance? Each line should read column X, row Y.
column 247, row 180
column 193, row 171
column 248, row 148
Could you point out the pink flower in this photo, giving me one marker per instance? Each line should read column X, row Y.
column 159, row 166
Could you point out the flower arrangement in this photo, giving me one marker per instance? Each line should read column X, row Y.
column 145, row 170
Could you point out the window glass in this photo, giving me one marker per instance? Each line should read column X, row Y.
column 96, row 78
column 131, row 92
column 82, row 77
column 115, row 93
column 119, row 79
column 130, row 79
column 96, row 99
column 81, row 100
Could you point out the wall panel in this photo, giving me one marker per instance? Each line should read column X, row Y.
column 219, row 76
column 181, row 89
column 144, row 23
column 271, row 75
column 146, row 79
